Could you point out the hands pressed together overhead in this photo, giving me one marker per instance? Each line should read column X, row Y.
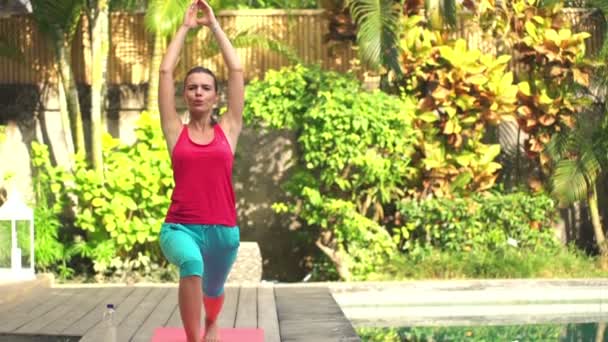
column 192, row 18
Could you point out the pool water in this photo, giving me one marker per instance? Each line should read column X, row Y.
column 575, row 332
column 37, row 338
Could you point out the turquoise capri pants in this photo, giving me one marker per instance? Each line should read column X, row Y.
column 202, row 250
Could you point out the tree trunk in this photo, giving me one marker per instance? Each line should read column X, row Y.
column 157, row 57
column 99, row 60
column 71, row 94
column 434, row 15
column 65, row 125
column 337, row 259
column 600, row 238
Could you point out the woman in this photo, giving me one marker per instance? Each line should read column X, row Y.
column 200, row 234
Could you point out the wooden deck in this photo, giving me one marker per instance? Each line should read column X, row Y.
column 285, row 313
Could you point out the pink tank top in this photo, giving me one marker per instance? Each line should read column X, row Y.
column 203, row 191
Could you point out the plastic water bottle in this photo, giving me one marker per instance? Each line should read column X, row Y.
column 109, row 324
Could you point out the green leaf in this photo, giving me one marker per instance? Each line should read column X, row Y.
column 121, row 239
column 98, row 202
column 130, row 204
column 465, row 159
column 524, row 88
column 506, row 81
column 477, row 79
column 490, row 154
column 428, row 117
column 530, row 29
column 553, row 36
column 141, row 237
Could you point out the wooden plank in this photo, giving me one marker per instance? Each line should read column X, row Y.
column 128, row 326
column 18, row 319
column 267, row 314
column 93, row 300
column 72, row 301
column 175, row 319
column 25, row 304
column 158, row 317
column 95, row 315
column 311, row 314
column 122, row 312
column 227, row 317
column 247, row 308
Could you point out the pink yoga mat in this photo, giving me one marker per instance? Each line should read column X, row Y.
column 227, row 335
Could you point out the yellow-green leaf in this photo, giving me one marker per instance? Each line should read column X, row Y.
column 98, row 202
column 477, row 79
column 524, row 88
column 530, row 29
column 428, row 117
column 553, row 36
column 506, row 81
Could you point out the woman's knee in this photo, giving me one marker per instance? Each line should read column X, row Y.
column 192, row 267
column 213, row 288
column 216, row 273
column 181, row 250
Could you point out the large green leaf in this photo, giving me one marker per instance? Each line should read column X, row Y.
column 378, row 31
column 569, row 183
column 164, row 17
column 580, row 157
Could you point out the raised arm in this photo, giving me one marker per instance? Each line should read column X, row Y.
column 232, row 120
column 170, row 121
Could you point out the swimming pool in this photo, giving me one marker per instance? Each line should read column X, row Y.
column 477, row 310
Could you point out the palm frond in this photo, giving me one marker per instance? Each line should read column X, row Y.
column 449, row 12
column 441, row 12
column 378, row 31
column 602, row 6
column 164, row 17
column 54, row 16
column 600, row 142
column 558, row 146
column 579, row 155
column 568, row 182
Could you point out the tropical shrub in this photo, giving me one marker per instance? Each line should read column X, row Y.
column 460, row 92
column 117, row 214
column 479, row 222
column 551, row 73
column 355, row 150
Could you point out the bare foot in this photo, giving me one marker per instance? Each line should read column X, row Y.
column 212, row 332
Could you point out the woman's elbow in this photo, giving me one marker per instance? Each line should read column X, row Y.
column 165, row 70
column 235, row 69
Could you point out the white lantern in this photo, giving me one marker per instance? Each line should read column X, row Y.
column 14, row 210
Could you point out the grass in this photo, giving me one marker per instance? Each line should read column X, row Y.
column 504, row 263
column 531, row 332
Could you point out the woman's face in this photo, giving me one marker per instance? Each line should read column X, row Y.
column 200, row 93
